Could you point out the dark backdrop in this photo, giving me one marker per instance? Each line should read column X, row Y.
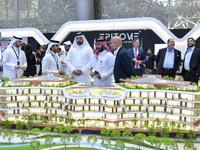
column 147, row 37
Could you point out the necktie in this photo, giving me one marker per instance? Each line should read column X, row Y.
column 136, row 63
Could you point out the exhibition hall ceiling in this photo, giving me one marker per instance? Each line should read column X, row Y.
column 49, row 15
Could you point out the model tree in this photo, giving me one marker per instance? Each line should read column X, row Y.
column 106, row 142
column 1, row 125
column 42, row 118
column 30, row 118
column 34, row 115
column 119, row 144
column 72, row 121
column 49, row 141
column 172, row 124
column 154, row 141
column 183, row 126
column 97, row 121
column 46, row 130
column 134, row 121
column 53, row 117
column 158, row 122
column 139, row 138
column 65, row 139
column 25, row 118
column 19, row 125
column 87, row 120
column 67, row 120
column 8, row 125
column 9, row 135
column 105, row 132
column 189, row 146
column 191, row 134
column 127, row 134
column 153, row 124
column 178, row 126
column 16, row 118
column 61, row 119
column 68, row 129
column 77, row 139
column 35, row 144
column 179, row 135
column 79, row 122
column 152, row 132
column 35, row 131
column 22, row 135
column 29, row 125
column 169, row 144
column 164, row 133
column 58, row 129
column 92, row 139
column 165, row 124
column 115, row 133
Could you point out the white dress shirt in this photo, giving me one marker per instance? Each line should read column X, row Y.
column 10, row 61
column 105, row 66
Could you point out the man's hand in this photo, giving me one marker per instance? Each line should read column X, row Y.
column 38, row 59
column 77, row 72
column 62, row 62
column 92, row 74
column 61, row 72
column 98, row 76
column 23, row 67
column 134, row 59
column 155, row 68
column 139, row 62
column 61, row 53
column 17, row 67
column 144, row 65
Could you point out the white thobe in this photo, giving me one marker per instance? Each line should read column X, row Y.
column 64, row 66
column 105, row 66
column 10, row 61
column 49, row 64
column 80, row 58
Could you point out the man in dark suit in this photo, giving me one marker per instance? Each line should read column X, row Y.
column 191, row 62
column 123, row 63
column 168, row 59
column 138, row 57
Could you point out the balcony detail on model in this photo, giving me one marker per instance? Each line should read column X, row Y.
column 113, row 104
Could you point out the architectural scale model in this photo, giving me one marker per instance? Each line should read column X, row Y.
column 142, row 99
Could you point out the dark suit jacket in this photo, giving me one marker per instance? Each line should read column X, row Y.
column 123, row 65
column 161, row 57
column 194, row 62
column 142, row 55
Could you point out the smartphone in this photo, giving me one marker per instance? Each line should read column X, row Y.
column 96, row 73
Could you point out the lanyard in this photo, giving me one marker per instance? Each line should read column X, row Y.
column 56, row 60
column 18, row 63
column 16, row 53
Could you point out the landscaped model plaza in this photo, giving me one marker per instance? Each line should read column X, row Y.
column 145, row 107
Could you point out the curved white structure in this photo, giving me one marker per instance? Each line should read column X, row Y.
column 25, row 32
column 108, row 24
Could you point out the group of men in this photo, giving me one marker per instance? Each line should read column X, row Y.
column 80, row 61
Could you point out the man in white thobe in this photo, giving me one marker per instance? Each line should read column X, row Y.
column 51, row 62
column 79, row 59
column 63, row 57
column 14, row 59
column 103, row 64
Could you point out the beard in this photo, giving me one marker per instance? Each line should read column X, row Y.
column 79, row 42
column 191, row 45
column 100, row 49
